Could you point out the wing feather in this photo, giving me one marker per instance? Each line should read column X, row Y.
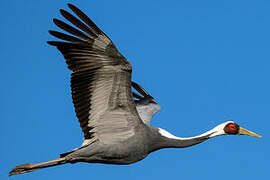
column 70, row 29
column 77, row 23
column 65, row 37
column 85, row 19
column 100, row 80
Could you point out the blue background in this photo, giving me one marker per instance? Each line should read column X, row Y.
column 205, row 62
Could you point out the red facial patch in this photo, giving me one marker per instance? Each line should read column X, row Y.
column 231, row 128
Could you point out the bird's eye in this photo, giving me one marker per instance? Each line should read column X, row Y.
column 231, row 128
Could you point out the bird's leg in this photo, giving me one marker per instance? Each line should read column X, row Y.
column 47, row 162
column 32, row 167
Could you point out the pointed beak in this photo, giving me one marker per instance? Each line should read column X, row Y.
column 243, row 131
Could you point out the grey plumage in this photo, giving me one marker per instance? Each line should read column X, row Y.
column 115, row 121
column 146, row 106
column 100, row 82
column 146, row 112
column 101, row 93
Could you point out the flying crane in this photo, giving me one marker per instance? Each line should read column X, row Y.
column 115, row 121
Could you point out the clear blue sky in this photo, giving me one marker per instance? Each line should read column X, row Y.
column 205, row 62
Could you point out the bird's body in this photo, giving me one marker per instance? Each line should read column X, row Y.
column 116, row 127
column 126, row 152
column 131, row 150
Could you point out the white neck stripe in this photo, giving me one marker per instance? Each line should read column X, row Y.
column 217, row 131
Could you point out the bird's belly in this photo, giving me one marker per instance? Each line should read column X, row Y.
column 124, row 153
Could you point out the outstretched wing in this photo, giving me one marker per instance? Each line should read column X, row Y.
column 100, row 80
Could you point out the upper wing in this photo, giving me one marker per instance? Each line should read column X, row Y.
column 100, row 82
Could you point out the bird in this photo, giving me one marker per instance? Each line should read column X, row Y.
column 115, row 121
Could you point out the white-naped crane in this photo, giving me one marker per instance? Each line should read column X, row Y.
column 116, row 127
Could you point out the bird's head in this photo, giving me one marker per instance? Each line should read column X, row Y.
column 231, row 128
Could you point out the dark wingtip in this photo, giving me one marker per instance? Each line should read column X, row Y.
column 49, row 42
column 55, row 21
column 135, row 95
column 62, row 11
column 51, row 32
column 71, row 6
column 52, row 43
column 139, row 89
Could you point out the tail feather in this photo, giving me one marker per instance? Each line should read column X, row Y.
column 25, row 168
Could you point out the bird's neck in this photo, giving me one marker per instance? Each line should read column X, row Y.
column 164, row 139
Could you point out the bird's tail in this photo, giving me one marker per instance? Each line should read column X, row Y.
column 24, row 168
